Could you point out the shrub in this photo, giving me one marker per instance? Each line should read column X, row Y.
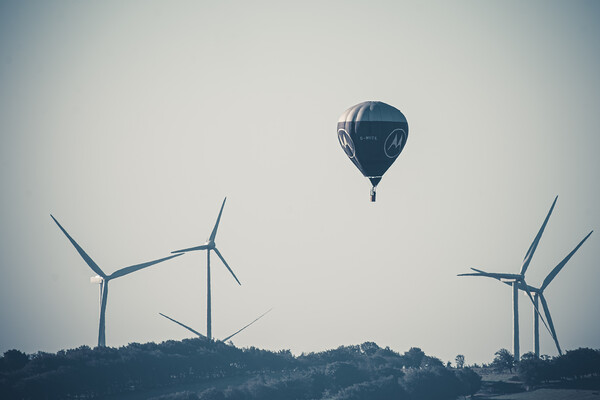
column 380, row 389
column 436, row 383
column 469, row 380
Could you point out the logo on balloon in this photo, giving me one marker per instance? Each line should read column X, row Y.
column 346, row 143
column 394, row 143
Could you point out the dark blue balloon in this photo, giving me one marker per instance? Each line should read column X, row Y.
column 372, row 134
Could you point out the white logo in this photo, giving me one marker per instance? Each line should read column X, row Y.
column 394, row 143
column 346, row 143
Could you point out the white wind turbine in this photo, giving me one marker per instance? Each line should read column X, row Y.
column 538, row 295
column 103, row 279
column 518, row 280
column 208, row 246
column 204, row 337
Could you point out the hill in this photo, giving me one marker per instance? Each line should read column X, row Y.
column 199, row 369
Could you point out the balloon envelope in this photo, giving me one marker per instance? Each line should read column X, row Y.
column 372, row 134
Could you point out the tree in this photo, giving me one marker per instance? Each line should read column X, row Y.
column 460, row 361
column 369, row 348
column 533, row 370
column 579, row 363
column 414, row 357
column 528, row 356
column 504, row 360
column 13, row 360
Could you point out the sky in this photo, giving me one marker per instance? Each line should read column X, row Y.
column 131, row 121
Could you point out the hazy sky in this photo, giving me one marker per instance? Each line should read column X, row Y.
column 130, row 121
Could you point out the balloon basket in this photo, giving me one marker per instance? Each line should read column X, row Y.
column 373, row 194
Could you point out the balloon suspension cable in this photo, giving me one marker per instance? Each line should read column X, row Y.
column 373, row 194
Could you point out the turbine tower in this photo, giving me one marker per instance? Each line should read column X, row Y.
column 204, row 337
column 516, row 280
column 103, row 279
column 209, row 246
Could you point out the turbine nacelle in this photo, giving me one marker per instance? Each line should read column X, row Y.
column 97, row 279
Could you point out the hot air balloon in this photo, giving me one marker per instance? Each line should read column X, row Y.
column 373, row 135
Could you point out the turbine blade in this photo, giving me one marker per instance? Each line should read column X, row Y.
column 526, row 289
column 560, row 265
column 535, row 242
column 214, row 231
column 492, row 275
column 225, row 262
column 81, row 252
column 233, row 334
column 487, row 273
column 137, row 267
column 185, row 326
column 553, row 331
column 203, row 247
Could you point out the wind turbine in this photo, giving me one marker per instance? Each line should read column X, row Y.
column 210, row 245
column 103, row 279
column 204, row 337
column 539, row 296
column 517, row 280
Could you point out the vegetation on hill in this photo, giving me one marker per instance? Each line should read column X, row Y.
column 349, row 372
column 576, row 369
column 573, row 366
